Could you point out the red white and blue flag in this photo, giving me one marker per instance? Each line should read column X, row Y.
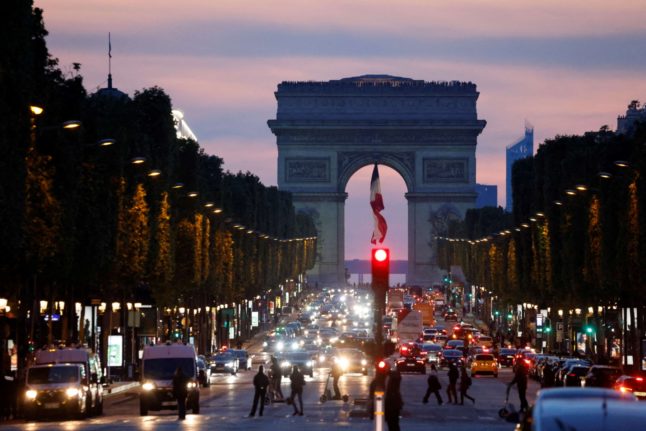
column 377, row 204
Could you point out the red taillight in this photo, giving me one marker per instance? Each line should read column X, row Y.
column 571, row 374
column 381, row 365
column 639, row 379
column 625, row 389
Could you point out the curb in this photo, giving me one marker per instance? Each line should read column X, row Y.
column 118, row 389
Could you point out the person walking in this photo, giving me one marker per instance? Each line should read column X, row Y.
column 520, row 380
column 180, row 392
column 465, row 383
column 337, row 372
column 434, row 386
column 393, row 401
column 453, row 380
column 276, row 378
column 260, row 383
column 298, row 381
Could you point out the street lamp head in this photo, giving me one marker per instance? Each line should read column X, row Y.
column 154, row 173
column 558, row 203
column 570, row 192
column 604, row 175
column 178, row 186
column 208, row 205
column 622, row 164
column 106, row 142
column 138, row 160
column 192, row 194
column 217, row 210
column 36, row 110
column 72, row 124
column 581, row 187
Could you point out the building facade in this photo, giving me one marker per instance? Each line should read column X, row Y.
column 487, row 195
column 520, row 149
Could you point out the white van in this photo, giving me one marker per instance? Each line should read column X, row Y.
column 65, row 380
column 158, row 365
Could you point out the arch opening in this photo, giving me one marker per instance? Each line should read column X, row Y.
column 358, row 221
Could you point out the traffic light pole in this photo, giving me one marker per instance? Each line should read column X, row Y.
column 380, row 262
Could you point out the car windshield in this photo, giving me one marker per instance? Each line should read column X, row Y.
column 39, row 376
column 507, row 351
column 164, row 368
column 298, row 356
column 223, row 357
column 239, row 353
column 484, row 357
column 452, row 353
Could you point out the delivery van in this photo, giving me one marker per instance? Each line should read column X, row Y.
column 158, row 365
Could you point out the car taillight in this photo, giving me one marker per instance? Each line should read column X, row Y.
column 639, row 379
column 625, row 389
column 571, row 374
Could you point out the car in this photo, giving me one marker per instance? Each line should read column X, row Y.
column 562, row 371
column 203, row 373
column 224, row 362
column 409, row 349
column 590, row 409
column 602, row 376
column 431, row 352
column 451, row 356
column 450, row 316
column 575, row 375
column 244, row 360
column 352, row 361
column 301, row 359
column 407, row 364
column 506, row 357
column 454, row 344
column 635, row 385
column 484, row 363
column 485, row 341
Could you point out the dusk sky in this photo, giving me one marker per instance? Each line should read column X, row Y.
column 566, row 66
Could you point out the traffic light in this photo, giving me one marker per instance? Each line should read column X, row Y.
column 510, row 316
column 589, row 329
column 547, row 329
column 497, row 313
column 380, row 269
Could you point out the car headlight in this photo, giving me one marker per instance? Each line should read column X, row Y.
column 334, row 340
column 322, row 358
column 308, row 363
column 285, row 364
column 31, row 394
column 265, row 344
column 344, row 363
column 71, row 392
column 191, row 385
column 295, row 345
column 280, row 345
column 364, row 362
column 148, row 386
column 229, row 364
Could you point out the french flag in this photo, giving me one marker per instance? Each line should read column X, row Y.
column 377, row 204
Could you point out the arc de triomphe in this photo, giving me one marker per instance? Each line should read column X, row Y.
column 426, row 131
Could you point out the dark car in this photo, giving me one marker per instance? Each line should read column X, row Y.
column 574, row 375
column 451, row 356
column 352, row 361
column 562, row 371
column 506, row 357
column 224, row 363
column 431, row 352
column 407, row 364
column 602, row 376
column 451, row 315
column 635, row 385
column 203, row 373
column 302, row 360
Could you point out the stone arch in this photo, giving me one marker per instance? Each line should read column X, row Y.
column 402, row 163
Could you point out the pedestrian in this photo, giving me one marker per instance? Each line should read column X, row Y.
column 276, row 378
column 520, row 379
column 434, row 386
column 260, row 383
column 337, row 372
column 298, row 381
column 180, row 392
column 453, row 380
column 393, row 401
column 465, row 383
column 549, row 375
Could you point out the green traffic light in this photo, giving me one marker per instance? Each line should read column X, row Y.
column 548, row 329
column 497, row 313
column 510, row 316
column 589, row 329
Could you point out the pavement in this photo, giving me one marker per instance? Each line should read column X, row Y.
column 119, row 387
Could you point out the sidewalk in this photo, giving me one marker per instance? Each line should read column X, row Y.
column 119, row 387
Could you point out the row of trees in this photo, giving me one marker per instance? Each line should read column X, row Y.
column 80, row 220
column 576, row 239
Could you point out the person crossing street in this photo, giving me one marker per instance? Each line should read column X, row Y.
column 180, row 392
column 298, row 381
column 434, row 386
column 451, row 391
column 337, row 372
column 465, row 384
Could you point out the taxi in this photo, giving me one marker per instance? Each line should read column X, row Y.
column 484, row 363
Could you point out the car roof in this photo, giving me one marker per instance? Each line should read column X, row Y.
column 573, row 393
column 176, row 350
column 52, row 356
column 590, row 414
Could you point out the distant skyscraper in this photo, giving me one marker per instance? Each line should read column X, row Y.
column 522, row 148
column 626, row 123
column 487, row 195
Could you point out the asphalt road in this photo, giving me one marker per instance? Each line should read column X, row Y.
column 227, row 402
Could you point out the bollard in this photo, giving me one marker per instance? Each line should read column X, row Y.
column 379, row 411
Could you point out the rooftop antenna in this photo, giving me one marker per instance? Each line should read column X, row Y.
column 109, row 61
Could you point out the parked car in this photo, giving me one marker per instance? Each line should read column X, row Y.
column 602, row 376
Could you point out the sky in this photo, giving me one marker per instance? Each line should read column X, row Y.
column 566, row 66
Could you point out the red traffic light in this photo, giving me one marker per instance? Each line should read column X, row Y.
column 380, row 254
